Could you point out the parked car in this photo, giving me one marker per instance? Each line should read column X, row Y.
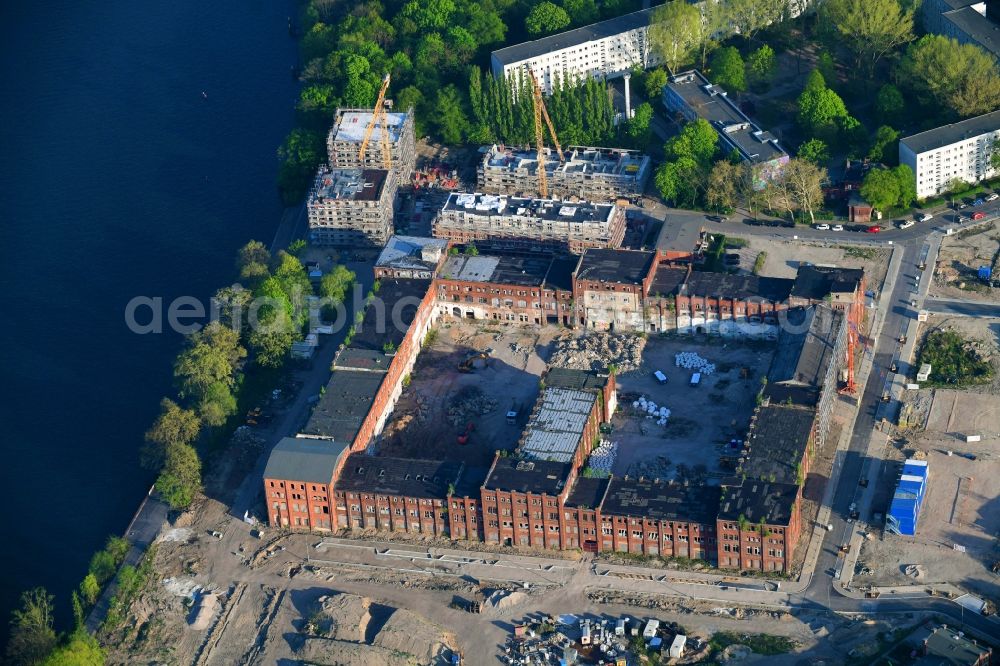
column 993, row 197
column 822, row 227
column 924, row 217
column 837, row 227
column 873, row 229
column 963, row 206
column 978, row 202
column 906, row 224
column 978, row 215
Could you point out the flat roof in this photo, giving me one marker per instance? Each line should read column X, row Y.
column 711, row 103
column 578, row 160
column 528, row 476
column 529, row 271
column 755, row 499
column 412, row 252
column 304, row 459
column 350, row 124
column 945, row 647
column 406, row 477
column 587, row 492
column 347, row 185
column 560, row 275
column 389, row 315
column 778, row 440
column 817, row 282
column 706, row 283
column 565, row 40
column 488, row 205
column 619, row 266
column 571, row 378
column 344, row 404
column 557, row 423
column 982, row 30
column 806, row 346
column 949, row 134
column 678, row 236
column 667, row 280
column 661, row 500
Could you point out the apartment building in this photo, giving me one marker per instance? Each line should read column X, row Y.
column 690, row 95
column 590, row 174
column 968, row 21
column 514, row 223
column 536, row 289
column 960, row 152
column 603, row 50
column 352, row 207
column 348, row 131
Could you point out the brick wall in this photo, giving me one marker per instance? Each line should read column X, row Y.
column 299, row 505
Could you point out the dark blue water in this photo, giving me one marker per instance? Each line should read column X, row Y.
column 117, row 178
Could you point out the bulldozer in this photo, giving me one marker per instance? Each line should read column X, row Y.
column 474, row 361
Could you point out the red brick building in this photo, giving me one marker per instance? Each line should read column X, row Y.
column 610, row 288
column 395, row 494
column 298, row 482
column 522, row 502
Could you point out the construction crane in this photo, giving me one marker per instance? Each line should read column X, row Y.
column 378, row 114
column 855, row 313
column 542, row 112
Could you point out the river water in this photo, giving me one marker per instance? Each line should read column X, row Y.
column 137, row 153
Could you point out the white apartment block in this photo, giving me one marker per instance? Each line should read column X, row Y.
column 516, row 223
column 602, row 50
column 343, row 143
column 591, row 174
column 957, row 152
column 352, row 207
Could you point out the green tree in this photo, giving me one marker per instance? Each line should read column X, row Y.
column 81, row 649
column 545, row 18
column 961, row 78
column 675, row 33
column 722, row 190
column 199, row 366
column 301, row 154
column 32, row 637
column 174, row 425
column 216, row 405
column 803, row 181
column 889, row 103
column 885, row 145
column 334, row 285
column 638, row 127
column 252, row 261
column 103, row 566
column 428, row 14
column 819, row 107
column 698, row 140
column 90, row 589
column 581, row 12
column 450, row 116
column 676, row 181
column 483, row 22
column 907, row 185
column 815, row 151
column 748, row 17
column 180, row 479
column 869, row 28
column 728, row 69
column 118, row 547
column 880, row 188
column 761, row 63
column 656, row 80
column 297, row 247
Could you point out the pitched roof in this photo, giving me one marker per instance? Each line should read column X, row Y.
column 304, row 459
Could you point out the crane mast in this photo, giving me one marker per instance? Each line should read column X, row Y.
column 378, row 115
column 542, row 113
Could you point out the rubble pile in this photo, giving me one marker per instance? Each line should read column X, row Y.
column 602, row 459
column 597, row 351
column 693, row 361
column 652, row 410
column 467, row 404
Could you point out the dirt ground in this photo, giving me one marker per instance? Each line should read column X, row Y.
column 441, row 401
column 785, row 257
column 961, row 507
column 984, row 330
column 959, row 260
column 703, row 419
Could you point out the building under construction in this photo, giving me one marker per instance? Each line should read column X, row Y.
column 352, row 207
column 591, row 174
column 515, row 223
column 348, row 133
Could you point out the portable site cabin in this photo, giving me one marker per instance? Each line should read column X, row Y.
column 585, row 636
column 660, row 377
column 620, row 627
column 905, row 508
column 677, row 647
column 650, row 630
column 695, row 379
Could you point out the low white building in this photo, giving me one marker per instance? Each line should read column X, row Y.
column 961, row 151
column 601, row 50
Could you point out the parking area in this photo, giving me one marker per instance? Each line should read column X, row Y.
column 694, row 441
column 783, row 258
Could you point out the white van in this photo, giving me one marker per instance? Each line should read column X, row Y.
column 924, row 217
column 660, row 377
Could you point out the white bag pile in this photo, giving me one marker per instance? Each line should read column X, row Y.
column 602, row 459
column 652, row 410
column 693, row 361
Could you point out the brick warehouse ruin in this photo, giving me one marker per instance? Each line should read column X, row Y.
column 331, row 476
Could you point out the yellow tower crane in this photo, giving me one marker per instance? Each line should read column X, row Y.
column 542, row 112
column 378, row 115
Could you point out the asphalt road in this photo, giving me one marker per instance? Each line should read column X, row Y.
column 962, row 308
